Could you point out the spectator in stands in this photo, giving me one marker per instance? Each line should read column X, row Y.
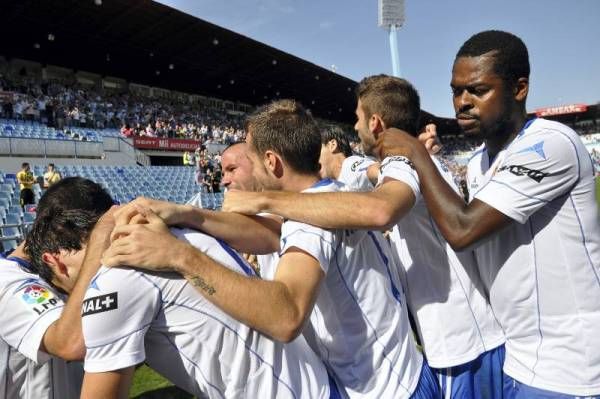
column 126, row 130
column 207, row 181
column 51, row 176
column 187, row 159
column 7, row 108
column 26, row 181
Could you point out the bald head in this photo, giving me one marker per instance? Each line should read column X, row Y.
column 237, row 169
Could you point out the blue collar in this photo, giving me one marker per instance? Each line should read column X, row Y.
column 527, row 124
column 322, row 183
column 22, row 262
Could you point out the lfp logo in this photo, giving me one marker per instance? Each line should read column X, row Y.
column 36, row 294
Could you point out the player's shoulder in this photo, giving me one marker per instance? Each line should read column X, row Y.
column 356, row 163
column 543, row 139
column 13, row 276
column 196, row 238
column 325, row 186
column 540, row 129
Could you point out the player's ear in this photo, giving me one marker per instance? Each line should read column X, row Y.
column 273, row 163
column 55, row 264
column 332, row 145
column 376, row 124
column 521, row 89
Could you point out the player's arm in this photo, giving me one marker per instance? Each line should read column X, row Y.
column 461, row 224
column 277, row 308
column 64, row 337
column 528, row 179
column 254, row 234
column 107, row 385
column 377, row 210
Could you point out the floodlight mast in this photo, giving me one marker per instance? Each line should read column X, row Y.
column 391, row 17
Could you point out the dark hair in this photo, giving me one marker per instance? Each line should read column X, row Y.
column 509, row 51
column 340, row 137
column 66, row 214
column 51, row 164
column 75, row 193
column 394, row 99
column 24, row 164
column 287, row 128
column 60, row 230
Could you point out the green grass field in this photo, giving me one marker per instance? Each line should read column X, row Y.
column 149, row 385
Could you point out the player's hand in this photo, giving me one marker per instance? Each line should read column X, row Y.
column 148, row 246
column 169, row 212
column 246, row 202
column 104, row 226
column 396, row 142
column 430, row 139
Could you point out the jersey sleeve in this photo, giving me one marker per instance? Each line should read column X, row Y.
column 535, row 171
column 355, row 177
column 400, row 169
column 318, row 243
column 118, row 309
column 27, row 309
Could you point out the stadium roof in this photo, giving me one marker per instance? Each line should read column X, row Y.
column 134, row 39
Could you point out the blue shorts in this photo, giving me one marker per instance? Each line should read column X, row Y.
column 479, row 378
column 514, row 389
column 428, row 387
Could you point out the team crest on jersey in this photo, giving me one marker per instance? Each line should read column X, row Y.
column 39, row 298
column 355, row 164
column 99, row 304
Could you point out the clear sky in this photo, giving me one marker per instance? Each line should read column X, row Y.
column 563, row 38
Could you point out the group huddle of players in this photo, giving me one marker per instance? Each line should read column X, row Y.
column 503, row 292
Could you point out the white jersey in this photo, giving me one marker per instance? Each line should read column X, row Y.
column 543, row 271
column 453, row 317
column 359, row 324
column 28, row 306
column 196, row 200
column 354, row 173
column 130, row 316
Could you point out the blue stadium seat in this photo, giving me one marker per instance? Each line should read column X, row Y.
column 8, row 245
column 11, row 233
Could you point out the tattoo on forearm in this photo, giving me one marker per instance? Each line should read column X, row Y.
column 200, row 282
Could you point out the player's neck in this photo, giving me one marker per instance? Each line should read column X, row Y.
column 297, row 182
column 497, row 142
column 336, row 166
column 19, row 253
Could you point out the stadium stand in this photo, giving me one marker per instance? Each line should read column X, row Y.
column 123, row 182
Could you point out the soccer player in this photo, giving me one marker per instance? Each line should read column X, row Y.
column 533, row 218
column 39, row 328
column 337, row 161
column 339, row 287
column 129, row 316
column 461, row 338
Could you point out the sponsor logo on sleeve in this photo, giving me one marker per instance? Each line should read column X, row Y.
column 99, row 304
column 39, row 298
column 389, row 160
column 519, row 170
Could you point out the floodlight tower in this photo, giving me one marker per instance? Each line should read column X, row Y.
column 391, row 17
